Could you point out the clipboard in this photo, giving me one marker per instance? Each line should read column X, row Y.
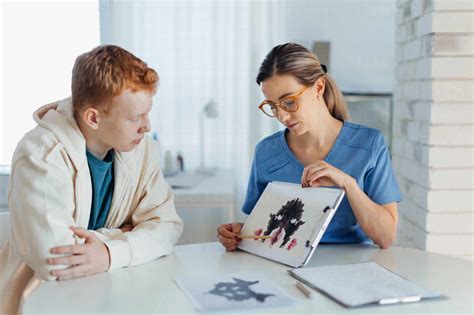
column 362, row 284
column 295, row 218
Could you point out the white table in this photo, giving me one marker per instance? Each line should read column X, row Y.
column 212, row 191
column 150, row 288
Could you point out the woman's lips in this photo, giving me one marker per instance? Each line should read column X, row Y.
column 291, row 126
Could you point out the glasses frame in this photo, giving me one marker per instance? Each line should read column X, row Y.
column 278, row 105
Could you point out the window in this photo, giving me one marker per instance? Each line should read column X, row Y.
column 39, row 44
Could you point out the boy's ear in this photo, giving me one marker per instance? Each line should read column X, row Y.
column 91, row 117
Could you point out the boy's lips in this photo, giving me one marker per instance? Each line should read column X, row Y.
column 138, row 141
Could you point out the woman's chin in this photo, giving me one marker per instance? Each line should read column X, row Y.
column 298, row 130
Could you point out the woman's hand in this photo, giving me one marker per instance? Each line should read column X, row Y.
column 324, row 174
column 228, row 235
column 379, row 222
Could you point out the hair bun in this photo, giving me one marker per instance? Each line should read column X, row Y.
column 325, row 69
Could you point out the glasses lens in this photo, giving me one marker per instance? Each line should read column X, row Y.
column 289, row 105
column 269, row 109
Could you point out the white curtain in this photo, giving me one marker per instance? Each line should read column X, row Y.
column 202, row 50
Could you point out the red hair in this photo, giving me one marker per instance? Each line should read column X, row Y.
column 105, row 72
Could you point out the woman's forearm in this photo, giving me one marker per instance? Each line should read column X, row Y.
column 377, row 221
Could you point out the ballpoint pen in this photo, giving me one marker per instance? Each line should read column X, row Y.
column 304, row 289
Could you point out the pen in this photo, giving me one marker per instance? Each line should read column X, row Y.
column 255, row 236
column 307, row 292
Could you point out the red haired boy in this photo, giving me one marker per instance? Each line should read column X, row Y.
column 86, row 192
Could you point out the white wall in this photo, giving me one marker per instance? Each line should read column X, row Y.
column 433, row 148
column 362, row 36
column 39, row 44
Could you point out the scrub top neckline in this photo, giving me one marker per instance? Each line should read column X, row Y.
column 329, row 157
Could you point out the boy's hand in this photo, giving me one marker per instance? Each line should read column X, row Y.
column 87, row 259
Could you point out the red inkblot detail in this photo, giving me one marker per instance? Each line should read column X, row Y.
column 292, row 244
column 276, row 236
column 257, row 233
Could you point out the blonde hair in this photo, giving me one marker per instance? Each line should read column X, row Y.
column 105, row 72
column 304, row 65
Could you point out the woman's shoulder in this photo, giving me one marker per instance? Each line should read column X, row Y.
column 363, row 137
column 270, row 145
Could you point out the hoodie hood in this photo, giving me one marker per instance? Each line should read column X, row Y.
column 58, row 117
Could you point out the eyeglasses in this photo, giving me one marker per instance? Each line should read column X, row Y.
column 288, row 104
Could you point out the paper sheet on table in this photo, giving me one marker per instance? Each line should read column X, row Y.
column 232, row 291
column 360, row 284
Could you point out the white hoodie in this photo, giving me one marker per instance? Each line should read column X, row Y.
column 50, row 190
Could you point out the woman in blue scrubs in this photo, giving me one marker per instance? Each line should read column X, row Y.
column 319, row 147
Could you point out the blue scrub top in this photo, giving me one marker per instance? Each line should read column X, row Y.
column 359, row 151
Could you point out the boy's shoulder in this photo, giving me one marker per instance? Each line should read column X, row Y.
column 38, row 143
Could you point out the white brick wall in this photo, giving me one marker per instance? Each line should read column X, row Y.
column 449, row 45
column 433, row 128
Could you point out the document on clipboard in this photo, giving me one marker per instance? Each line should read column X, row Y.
column 288, row 222
column 362, row 284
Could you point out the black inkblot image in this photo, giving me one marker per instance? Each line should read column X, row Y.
column 287, row 219
column 238, row 291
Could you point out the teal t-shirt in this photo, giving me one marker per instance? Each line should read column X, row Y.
column 102, row 176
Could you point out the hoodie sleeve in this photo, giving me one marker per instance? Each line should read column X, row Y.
column 105, row 234
column 157, row 226
column 41, row 211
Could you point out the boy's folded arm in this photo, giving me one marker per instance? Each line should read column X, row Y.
column 105, row 234
column 156, row 227
column 41, row 201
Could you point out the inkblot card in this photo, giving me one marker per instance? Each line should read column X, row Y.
column 232, row 292
column 288, row 222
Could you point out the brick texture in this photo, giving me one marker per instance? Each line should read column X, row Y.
column 433, row 125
